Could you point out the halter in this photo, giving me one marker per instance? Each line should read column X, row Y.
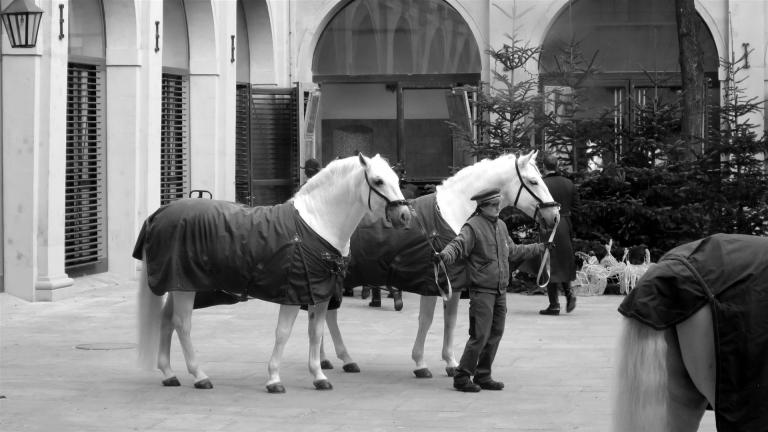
column 541, row 205
column 390, row 203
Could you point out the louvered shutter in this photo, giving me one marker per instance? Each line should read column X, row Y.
column 174, row 138
column 242, row 145
column 84, row 212
column 274, row 145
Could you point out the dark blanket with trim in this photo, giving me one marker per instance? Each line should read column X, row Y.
column 384, row 256
column 729, row 273
column 211, row 247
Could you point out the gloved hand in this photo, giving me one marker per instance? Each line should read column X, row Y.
column 549, row 245
column 437, row 258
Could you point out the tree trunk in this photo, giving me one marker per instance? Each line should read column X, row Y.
column 692, row 71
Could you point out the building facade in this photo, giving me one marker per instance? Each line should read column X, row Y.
column 125, row 105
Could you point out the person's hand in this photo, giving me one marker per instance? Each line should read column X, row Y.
column 437, row 258
column 549, row 245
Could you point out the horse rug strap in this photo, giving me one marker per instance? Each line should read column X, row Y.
column 268, row 253
column 728, row 273
column 402, row 258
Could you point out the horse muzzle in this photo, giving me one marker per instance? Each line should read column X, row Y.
column 399, row 213
column 548, row 215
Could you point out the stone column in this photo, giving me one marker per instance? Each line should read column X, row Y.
column 51, row 276
column 21, row 167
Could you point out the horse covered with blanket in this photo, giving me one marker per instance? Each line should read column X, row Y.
column 696, row 335
column 385, row 256
column 199, row 252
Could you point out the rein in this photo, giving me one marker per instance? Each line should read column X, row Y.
column 545, row 261
column 390, row 203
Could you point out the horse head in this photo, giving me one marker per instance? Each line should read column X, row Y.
column 384, row 183
column 529, row 193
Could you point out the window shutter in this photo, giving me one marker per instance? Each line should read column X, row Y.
column 273, row 145
column 174, row 138
column 242, row 145
column 84, row 212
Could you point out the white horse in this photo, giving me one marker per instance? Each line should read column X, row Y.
column 521, row 186
column 696, row 334
column 232, row 250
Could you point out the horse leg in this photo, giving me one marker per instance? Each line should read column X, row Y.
column 426, row 315
column 166, row 335
column 285, row 321
column 686, row 403
column 183, row 303
column 697, row 345
column 331, row 318
column 450, row 314
column 315, row 326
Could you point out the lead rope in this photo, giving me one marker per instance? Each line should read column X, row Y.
column 545, row 261
column 437, row 267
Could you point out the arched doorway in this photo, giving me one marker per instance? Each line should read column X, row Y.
column 85, row 222
column 633, row 47
column 386, row 70
column 266, row 134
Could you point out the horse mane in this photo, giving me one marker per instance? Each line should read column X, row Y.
column 333, row 173
column 486, row 168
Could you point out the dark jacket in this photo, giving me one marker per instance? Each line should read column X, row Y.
column 562, row 261
column 487, row 247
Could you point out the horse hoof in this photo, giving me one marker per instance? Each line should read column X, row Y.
column 276, row 388
column 171, row 382
column 422, row 373
column 450, row 371
column 204, row 384
column 351, row 367
column 323, row 384
column 326, row 364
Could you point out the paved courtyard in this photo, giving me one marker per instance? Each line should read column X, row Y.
column 557, row 370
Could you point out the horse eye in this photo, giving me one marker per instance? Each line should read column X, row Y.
column 379, row 182
column 534, row 182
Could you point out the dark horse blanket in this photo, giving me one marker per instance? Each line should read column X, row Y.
column 402, row 258
column 210, row 247
column 729, row 273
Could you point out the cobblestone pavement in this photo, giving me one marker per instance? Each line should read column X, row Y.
column 557, row 369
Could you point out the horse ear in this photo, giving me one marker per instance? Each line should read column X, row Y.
column 363, row 160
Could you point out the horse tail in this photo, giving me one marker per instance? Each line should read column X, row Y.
column 640, row 392
column 150, row 309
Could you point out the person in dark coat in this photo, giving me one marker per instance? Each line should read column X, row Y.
column 562, row 262
column 485, row 243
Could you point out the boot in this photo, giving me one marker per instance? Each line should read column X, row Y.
column 398, row 295
column 375, row 297
column 570, row 303
column 551, row 310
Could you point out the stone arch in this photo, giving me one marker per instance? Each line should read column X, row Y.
column 203, row 40
column 121, row 33
column 308, row 43
column 258, row 26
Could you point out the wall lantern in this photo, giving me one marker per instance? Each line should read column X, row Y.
column 22, row 21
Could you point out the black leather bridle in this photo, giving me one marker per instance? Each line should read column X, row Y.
column 541, row 204
column 390, row 203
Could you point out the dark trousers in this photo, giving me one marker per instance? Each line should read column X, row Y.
column 487, row 313
column 553, row 292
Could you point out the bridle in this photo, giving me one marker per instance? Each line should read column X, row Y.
column 390, row 203
column 541, row 205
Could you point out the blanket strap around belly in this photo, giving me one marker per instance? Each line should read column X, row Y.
column 437, row 267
